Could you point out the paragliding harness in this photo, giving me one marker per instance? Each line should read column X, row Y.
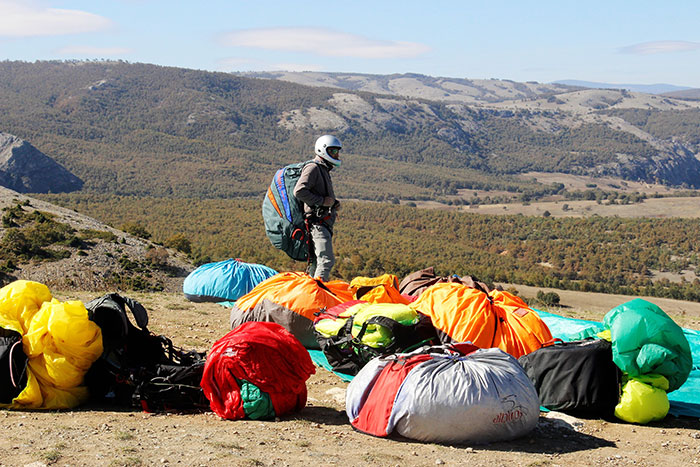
column 287, row 226
column 13, row 365
column 283, row 214
column 348, row 354
column 319, row 216
column 138, row 368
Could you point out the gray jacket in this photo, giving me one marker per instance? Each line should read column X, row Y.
column 313, row 186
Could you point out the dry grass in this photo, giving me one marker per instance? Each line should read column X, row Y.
column 684, row 207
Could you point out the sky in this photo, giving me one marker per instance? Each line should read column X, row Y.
column 611, row 41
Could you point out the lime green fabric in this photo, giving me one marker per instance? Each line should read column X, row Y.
column 643, row 399
column 256, row 403
column 646, row 340
column 376, row 335
column 329, row 327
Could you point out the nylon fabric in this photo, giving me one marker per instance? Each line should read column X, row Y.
column 646, row 340
column 643, row 400
column 578, row 378
column 453, row 394
column 498, row 319
column 224, row 281
column 291, row 299
column 59, row 340
column 376, row 411
column 256, row 404
column 263, row 354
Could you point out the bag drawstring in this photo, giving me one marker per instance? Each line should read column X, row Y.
column 12, row 373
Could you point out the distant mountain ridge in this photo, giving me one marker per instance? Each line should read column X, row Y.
column 658, row 88
column 139, row 129
column 468, row 91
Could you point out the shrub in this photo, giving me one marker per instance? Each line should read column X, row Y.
column 136, row 229
column 157, row 256
column 180, row 243
column 548, row 298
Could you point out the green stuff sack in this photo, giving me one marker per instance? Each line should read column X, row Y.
column 646, row 340
column 256, row 403
column 643, row 400
column 374, row 334
column 353, row 333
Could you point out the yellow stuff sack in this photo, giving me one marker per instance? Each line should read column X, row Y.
column 643, row 399
column 59, row 340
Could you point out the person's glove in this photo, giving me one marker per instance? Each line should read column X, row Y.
column 328, row 201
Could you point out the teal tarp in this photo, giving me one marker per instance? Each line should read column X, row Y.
column 684, row 401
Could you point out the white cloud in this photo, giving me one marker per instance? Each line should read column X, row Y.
column 86, row 50
column 324, row 42
column 22, row 20
column 660, row 47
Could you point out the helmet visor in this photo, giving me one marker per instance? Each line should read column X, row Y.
column 333, row 152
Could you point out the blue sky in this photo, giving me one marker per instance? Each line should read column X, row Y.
column 625, row 42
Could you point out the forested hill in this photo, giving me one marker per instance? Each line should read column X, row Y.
column 137, row 129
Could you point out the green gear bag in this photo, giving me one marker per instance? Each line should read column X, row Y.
column 646, row 340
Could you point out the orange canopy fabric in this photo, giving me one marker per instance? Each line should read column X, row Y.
column 381, row 289
column 298, row 292
column 499, row 319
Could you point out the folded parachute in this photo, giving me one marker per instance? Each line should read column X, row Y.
column 646, row 340
column 454, row 393
column 416, row 282
column 497, row 319
column 292, row 300
column 382, row 289
column 257, row 371
column 58, row 345
column 224, row 280
column 352, row 333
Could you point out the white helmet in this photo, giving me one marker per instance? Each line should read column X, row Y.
column 326, row 142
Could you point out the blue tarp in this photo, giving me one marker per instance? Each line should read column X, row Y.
column 684, row 401
column 224, row 281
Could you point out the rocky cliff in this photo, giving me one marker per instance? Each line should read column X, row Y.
column 25, row 169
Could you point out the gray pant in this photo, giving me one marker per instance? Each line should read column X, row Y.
column 322, row 259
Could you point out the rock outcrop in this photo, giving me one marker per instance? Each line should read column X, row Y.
column 25, row 169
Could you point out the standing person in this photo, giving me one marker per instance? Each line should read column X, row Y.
column 315, row 190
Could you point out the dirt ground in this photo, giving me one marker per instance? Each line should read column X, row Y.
column 318, row 435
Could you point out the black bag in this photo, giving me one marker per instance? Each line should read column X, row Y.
column 172, row 388
column 138, row 368
column 578, row 377
column 348, row 354
column 13, row 365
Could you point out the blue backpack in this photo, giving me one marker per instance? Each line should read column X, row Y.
column 283, row 214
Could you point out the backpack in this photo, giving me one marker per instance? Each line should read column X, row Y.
column 13, row 365
column 578, row 377
column 353, row 333
column 138, row 368
column 283, row 214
